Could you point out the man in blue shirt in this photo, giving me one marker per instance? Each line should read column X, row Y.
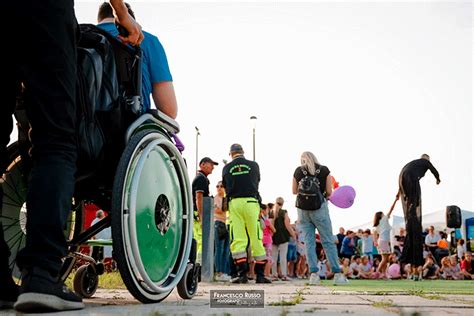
column 156, row 76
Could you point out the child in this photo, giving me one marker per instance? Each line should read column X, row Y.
column 430, row 268
column 301, row 266
column 268, row 230
column 383, row 229
column 365, row 269
column 354, row 266
column 324, row 269
column 394, row 270
column 367, row 247
column 450, row 269
column 460, row 249
column 346, row 268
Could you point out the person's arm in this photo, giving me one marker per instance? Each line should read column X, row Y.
column 434, row 172
column 328, row 186
column 135, row 34
column 295, row 186
column 199, row 198
column 272, row 228
column 397, row 197
column 288, row 226
column 164, row 98
column 218, row 205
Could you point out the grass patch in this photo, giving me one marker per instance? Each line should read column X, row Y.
column 108, row 281
column 425, row 287
column 298, row 298
column 383, row 304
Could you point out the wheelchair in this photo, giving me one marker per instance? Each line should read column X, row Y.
column 138, row 175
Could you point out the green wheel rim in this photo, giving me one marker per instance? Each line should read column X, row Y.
column 158, row 227
column 152, row 237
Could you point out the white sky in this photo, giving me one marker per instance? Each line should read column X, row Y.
column 365, row 86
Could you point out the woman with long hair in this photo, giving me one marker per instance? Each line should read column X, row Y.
column 311, row 217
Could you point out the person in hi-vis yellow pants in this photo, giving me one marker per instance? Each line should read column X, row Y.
column 240, row 178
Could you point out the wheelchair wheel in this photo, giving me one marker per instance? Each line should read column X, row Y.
column 86, row 281
column 187, row 286
column 13, row 216
column 151, row 216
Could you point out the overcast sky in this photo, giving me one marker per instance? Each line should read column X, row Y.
column 366, row 86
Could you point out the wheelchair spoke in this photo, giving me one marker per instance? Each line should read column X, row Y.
column 17, row 204
column 17, row 234
column 14, row 188
column 9, row 218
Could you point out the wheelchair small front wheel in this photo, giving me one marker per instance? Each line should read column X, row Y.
column 151, row 216
column 188, row 285
column 86, row 281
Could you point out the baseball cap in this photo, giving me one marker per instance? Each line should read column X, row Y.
column 207, row 159
column 236, row 148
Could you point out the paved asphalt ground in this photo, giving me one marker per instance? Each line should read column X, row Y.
column 293, row 297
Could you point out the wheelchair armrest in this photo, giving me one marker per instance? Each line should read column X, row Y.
column 168, row 123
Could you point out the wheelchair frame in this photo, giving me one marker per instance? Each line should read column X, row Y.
column 149, row 137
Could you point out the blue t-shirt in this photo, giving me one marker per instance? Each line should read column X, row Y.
column 154, row 63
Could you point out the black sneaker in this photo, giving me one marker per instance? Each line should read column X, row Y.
column 263, row 280
column 8, row 293
column 41, row 292
column 240, row 280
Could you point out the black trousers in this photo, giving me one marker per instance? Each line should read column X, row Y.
column 41, row 39
column 411, row 201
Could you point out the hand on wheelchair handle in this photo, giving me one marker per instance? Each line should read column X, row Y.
column 121, row 29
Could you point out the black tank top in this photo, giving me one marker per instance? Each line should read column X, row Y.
column 281, row 235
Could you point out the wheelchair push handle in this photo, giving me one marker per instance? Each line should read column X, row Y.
column 121, row 29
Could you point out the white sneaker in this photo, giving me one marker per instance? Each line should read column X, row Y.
column 340, row 279
column 223, row 278
column 314, row 279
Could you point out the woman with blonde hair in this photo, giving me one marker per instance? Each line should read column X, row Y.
column 313, row 212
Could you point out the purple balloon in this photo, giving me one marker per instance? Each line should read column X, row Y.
column 343, row 196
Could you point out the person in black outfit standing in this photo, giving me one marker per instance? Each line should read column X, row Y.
column 241, row 178
column 41, row 38
column 200, row 188
column 410, row 194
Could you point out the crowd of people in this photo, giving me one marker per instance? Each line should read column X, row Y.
column 361, row 254
column 307, row 249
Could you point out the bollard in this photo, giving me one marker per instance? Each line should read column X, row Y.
column 207, row 269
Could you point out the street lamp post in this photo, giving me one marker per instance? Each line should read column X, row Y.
column 253, row 119
column 197, row 146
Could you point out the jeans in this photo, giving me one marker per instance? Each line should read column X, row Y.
column 309, row 221
column 222, row 252
column 43, row 57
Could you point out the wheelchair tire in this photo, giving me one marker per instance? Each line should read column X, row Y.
column 151, row 216
column 13, row 216
column 86, row 281
column 187, row 286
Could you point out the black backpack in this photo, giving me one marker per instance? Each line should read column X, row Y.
column 97, row 91
column 309, row 192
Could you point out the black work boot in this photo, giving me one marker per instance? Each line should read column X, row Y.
column 42, row 292
column 260, row 272
column 242, row 269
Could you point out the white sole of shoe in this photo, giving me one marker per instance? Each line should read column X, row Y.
column 32, row 302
